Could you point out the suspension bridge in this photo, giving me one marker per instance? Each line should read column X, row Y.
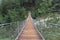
column 29, row 31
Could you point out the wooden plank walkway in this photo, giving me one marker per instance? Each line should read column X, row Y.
column 29, row 32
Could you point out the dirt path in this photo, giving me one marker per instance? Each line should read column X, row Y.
column 29, row 32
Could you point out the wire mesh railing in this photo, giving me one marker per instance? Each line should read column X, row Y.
column 50, row 31
column 9, row 31
column 35, row 25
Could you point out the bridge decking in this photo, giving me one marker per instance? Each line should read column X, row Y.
column 29, row 32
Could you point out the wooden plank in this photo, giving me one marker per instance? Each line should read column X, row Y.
column 29, row 32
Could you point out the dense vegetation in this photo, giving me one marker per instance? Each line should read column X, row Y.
column 50, row 32
column 55, row 20
column 12, row 11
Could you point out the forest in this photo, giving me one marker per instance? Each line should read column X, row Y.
column 12, row 11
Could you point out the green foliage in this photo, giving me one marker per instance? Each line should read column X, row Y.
column 43, row 9
column 49, row 32
column 12, row 11
column 1, row 18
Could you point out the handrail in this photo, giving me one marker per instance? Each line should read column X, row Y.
column 6, row 24
column 53, row 24
column 18, row 25
column 13, row 27
column 29, row 16
column 38, row 31
column 20, row 32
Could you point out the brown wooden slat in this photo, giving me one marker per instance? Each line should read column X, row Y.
column 29, row 32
